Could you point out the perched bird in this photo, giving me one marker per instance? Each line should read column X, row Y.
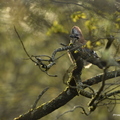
column 77, row 39
column 77, row 36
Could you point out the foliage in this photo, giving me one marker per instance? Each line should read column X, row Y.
column 56, row 28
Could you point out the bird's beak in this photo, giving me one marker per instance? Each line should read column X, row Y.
column 75, row 36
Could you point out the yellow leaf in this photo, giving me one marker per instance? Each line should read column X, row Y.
column 98, row 43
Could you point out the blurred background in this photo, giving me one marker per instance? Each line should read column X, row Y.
column 43, row 25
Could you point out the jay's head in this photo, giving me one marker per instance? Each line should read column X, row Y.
column 77, row 36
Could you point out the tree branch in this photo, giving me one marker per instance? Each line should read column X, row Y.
column 63, row 98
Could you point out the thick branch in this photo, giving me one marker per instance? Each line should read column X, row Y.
column 98, row 78
column 50, row 106
column 63, row 98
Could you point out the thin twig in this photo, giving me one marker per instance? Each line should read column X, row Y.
column 63, row 2
column 23, row 45
column 39, row 62
column 93, row 103
column 112, row 89
column 38, row 98
column 113, row 104
column 72, row 110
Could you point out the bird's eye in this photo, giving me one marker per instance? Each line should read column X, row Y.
column 77, row 36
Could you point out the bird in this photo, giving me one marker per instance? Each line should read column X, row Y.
column 77, row 36
column 78, row 41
